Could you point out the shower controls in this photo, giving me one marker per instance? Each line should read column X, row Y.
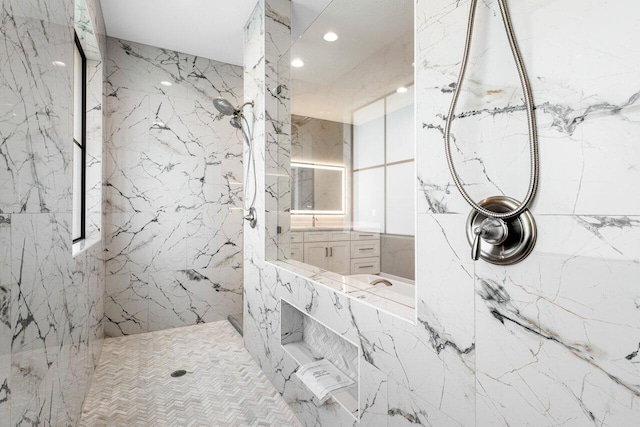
column 493, row 231
column 500, row 229
column 251, row 217
column 501, row 241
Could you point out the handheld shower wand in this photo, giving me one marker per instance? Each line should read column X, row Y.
column 227, row 109
column 504, row 226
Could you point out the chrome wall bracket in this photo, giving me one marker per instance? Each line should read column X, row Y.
column 499, row 241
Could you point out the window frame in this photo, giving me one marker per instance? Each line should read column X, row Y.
column 83, row 144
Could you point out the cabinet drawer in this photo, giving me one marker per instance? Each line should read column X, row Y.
column 363, row 235
column 365, row 248
column 326, row 236
column 365, row 266
column 297, row 252
column 339, row 236
column 297, row 237
column 316, row 236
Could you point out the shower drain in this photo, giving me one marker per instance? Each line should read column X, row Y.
column 178, row 373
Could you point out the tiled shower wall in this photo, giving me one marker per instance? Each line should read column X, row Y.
column 551, row 341
column 174, row 190
column 51, row 304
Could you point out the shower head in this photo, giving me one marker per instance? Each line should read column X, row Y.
column 235, row 121
column 224, row 107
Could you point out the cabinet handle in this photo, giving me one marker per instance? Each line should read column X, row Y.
column 331, row 252
column 365, row 249
column 326, row 252
column 365, row 266
column 366, row 235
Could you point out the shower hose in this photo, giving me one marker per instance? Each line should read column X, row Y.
column 251, row 164
column 531, row 119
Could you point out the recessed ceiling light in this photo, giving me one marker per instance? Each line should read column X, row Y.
column 402, row 89
column 59, row 64
column 297, row 63
column 166, row 83
column 331, row 36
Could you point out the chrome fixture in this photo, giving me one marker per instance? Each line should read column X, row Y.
column 501, row 241
column 384, row 281
column 251, row 217
column 227, row 109
column 507, row 238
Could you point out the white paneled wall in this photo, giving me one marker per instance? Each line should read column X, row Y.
column 368, row 136
column 384, row 171
column 400, row 129
column 400, row 199
column 368, row 199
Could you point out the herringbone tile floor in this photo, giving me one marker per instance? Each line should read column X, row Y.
column 223, row 386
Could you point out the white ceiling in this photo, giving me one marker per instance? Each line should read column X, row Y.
column 373, row 56
column 211, row 29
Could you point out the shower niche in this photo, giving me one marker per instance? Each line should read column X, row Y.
column 306, row 340
column 341, row 179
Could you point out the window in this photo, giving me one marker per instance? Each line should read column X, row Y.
column 79, row 140
column 383, row 165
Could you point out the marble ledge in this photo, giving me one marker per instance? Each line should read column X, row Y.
column 301, row 229
column 84, row 245
column 375, row 298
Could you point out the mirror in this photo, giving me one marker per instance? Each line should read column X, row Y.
column 317, row 189
column 346, row 149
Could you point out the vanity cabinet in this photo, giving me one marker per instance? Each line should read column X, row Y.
column 297, row 251
column 332, row 256
column 342, row 252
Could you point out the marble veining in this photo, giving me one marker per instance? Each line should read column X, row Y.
column 50, row 302
column 551, row 341
column 174, row 190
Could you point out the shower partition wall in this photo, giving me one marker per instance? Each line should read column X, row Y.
column 550, row 341
column 51, row 296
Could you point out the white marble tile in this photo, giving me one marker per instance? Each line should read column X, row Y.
column 36, row 102
column 5, row 315
column 145, row 67
column 154, row 181
column 41, row 252
column 126, row 307
column 189, row 127
column 188, row 297
column 45, row 299
column 5, row 250
column 214, row 237
column 575, row 107
column 550, row 341
column 127, row 118
column 374, row 396
column 139, row 242
column 407, row 408
column 174, row 179
column 565, row 322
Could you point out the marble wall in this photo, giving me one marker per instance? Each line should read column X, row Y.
column 556, row 336
column 173, row 186
column 553, row 340
column 51, row 303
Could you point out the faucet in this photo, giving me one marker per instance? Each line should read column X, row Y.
column 381, row 280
